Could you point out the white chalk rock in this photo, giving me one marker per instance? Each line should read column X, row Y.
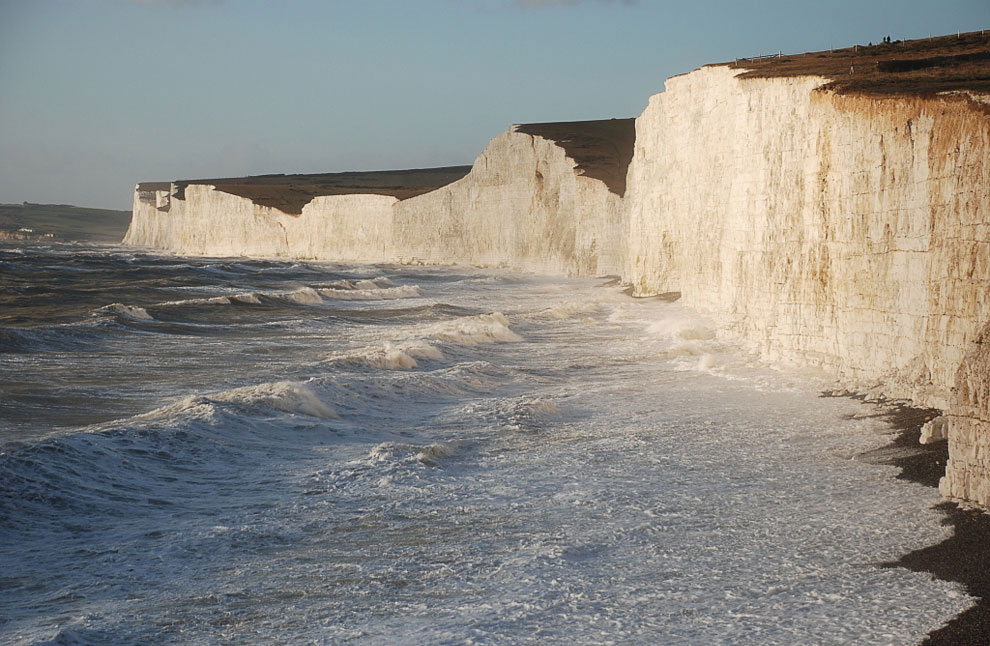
column 935, row 431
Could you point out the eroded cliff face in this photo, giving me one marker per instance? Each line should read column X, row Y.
column 522, row 205
column 846, row 232
column 209, row 222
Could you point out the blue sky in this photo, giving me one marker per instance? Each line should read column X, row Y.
column 96, row 95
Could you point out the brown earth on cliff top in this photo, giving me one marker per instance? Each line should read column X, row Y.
column 290, row 193
column 601, row 149
column 925, row 66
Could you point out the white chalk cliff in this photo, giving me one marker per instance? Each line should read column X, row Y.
column 845, row 231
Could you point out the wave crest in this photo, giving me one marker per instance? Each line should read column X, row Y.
column 126, row 311
column 371, row 294
column 473, row 330
column 285, row 396
column 390, row 356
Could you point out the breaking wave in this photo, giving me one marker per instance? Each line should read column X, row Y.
column 132, row 312
column 283, row 396
column 372, row 294
column 472, row 330
column 391, row 356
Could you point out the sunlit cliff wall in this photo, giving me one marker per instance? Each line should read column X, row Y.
column 209, row 222
column 849, row 232
column 522, row 205
column 842, row 231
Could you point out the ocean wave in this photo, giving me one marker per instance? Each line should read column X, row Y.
column 187, row 453
column 73, row 336
column 371, row 294
column 206, row 300
column 569, row 309
column 399, row 453
column 391, row 356
column 247, row 298
column 283, row 396
column 303, row 296
column 132, row 312
column 473, row 330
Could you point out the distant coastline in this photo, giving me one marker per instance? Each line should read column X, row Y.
column 29, row 222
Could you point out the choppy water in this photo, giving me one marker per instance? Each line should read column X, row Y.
column 254, row 452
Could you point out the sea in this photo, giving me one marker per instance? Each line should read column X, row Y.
column 234, row 451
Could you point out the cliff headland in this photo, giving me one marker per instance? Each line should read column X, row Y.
column 829, row 209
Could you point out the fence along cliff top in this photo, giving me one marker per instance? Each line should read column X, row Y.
column 959, row 62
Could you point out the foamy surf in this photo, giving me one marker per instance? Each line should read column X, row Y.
column 391, row 356
column 283, row 396
column 305, row 482
column 372, row 293
column 472, row 330
column 303, row 296
column 127, row 311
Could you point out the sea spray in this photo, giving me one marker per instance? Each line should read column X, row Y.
column 491, row 456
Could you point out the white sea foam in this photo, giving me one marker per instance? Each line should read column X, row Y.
column 372, row 293
column 303, row 296
column 679, row 324
column 284, row 396
column 400, row 453
column 249, row 298
column 127, row 311
column 392, row 356
column 472, row 330
column 499, row 494
column 570, row 309
column 212, row 300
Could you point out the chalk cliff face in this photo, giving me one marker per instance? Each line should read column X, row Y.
column 847, row 232
column 209, row 222
column 522, row 205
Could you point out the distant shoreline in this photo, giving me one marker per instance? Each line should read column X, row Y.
column 31, row 222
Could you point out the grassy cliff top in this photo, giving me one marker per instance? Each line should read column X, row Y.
column 290, row 193
column 925, row 66
column 602, row 149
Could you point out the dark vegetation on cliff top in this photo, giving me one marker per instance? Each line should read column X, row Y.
column 926, row 66
column 290, row 193
column 601, row 150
